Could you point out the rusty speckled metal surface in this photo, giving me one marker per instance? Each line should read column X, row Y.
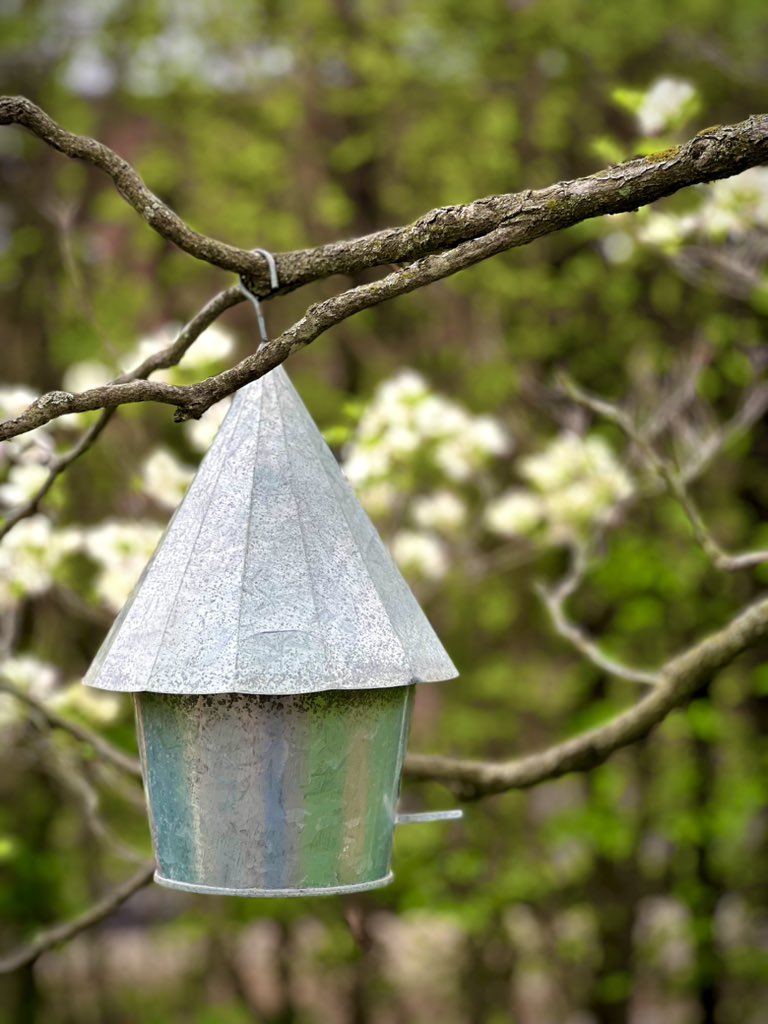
column 270, row 577
column 274, row 796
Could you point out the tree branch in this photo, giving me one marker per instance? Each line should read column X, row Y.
column 714, row 153
column 681, row 678
column 68, row 929
column 103, row 747
column 554, row 599
column 169, row 356
column 673, row 478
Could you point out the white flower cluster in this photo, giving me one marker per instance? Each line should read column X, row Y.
column 406, row 418
column 120, row 550
column 214, row 345
column 29, row 556
column 735, row 206
column 34, row 549
column 664, row 104
column 40, row 680
column 78, row 701
column 200, row 433
column 165, row 479
column 407, row 425
column 28, row 674
column 35, row 447
column 420, row 553
column 23, row 481
column 571, row 484
column 729, row 209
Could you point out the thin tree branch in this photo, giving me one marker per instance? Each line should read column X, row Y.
column 73, row 779
column 554, row 601
column 68, row 929
column 103, row 747
column 55, row 468
column 672, row 477
column 169, row 356
column 714, row 153
column 681, row 679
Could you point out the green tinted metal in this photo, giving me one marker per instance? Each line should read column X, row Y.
column 259, row 795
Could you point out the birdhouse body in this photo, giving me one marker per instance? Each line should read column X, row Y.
column 272, row 646
column 279, row 796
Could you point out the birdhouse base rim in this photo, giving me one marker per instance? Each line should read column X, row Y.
column 331, row 890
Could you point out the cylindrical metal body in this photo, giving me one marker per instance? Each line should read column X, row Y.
column 274, row 796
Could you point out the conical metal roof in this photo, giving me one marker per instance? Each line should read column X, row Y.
column 270, row 577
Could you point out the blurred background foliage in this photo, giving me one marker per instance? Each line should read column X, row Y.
column 637, row 892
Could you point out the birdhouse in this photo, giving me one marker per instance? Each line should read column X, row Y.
column 272, row 648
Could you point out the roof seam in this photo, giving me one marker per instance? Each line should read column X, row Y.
column 296, row 505
column 247, row 537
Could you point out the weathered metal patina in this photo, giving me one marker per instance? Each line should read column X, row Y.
column 272, row 646
column 276, row 796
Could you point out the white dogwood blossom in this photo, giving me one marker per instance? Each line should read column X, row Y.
column 663, row 104
column 164, row 478
column 78, row 701
column 732, row 208
column 488, row 436
column 666, row 230
column 420, row 553
column 200, row 433
column 405, row 421
column 32, row 676
column 735, row 206
column 515, row 513
column 121, row 550
column 29, row 556
column 214, row 345
column 14, row 400
column 377, row 498
column 85, row 375
column 23, row 481
column 573, row 481
column 442, row 510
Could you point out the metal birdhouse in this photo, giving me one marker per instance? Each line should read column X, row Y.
column 272, row 648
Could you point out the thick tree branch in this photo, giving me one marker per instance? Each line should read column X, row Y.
column 714, row 153
column 474, row 232
column 68, row 929
column 681, row 678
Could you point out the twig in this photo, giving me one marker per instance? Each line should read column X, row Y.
column 554, row 601
column 82, row 734
column 681, row 679
column 672, row 477
column 164, row 358
column 750, row 410
column 80, row 787
column 68, row 929
column 55, row 469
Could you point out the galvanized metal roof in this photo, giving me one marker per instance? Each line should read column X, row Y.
column 270, row 577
